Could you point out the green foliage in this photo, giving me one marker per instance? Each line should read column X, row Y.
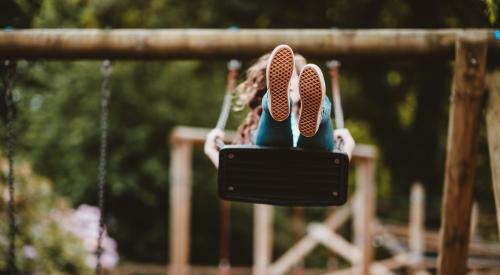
column 61, row 131
column 492, row 10
column 42, row 246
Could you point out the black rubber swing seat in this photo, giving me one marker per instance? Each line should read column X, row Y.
column 282, row 176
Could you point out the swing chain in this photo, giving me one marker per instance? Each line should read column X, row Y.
column 339, row 144
column 10, row 72
column 106, row 69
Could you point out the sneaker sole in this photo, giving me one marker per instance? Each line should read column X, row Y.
column 312, row 91
column 279, row 72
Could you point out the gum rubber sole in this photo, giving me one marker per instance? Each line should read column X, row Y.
column 279, row 72
column 312, row 91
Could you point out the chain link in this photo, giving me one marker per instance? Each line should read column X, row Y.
column 106, row 69
column 339, row 144
column 10, row 72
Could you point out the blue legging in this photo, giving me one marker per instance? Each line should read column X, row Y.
column 279, row 133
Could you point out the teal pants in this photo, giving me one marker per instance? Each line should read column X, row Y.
column 279, row 133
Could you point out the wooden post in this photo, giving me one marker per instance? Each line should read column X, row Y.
column 263, row 238
column 225, row 237
column 299, row 228
column 493, row 129
column 474, row 221
column 463, row 133
column 417, row 223
column 365, row 178
column 357, row 210
column 180, row 206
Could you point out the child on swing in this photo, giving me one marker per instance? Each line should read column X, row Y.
column 288, row 108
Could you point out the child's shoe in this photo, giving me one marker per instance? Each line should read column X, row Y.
column 312, row 92
column 278, row 74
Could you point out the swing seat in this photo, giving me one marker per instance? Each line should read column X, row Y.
column 282, row 176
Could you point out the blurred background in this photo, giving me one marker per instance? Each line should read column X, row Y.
column 399, row 106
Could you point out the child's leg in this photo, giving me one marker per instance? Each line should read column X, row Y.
column 323, row 139
column 275, row 128
column 314, row 123
column 272, row 132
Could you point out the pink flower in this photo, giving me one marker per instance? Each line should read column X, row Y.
column 83, row 223
column 29, row 252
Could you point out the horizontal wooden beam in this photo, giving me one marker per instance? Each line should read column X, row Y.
column 224, row 43
column 477, row 249
column 197, row 137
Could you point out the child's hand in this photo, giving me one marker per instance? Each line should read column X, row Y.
column 210, row 148
column 349, row 143
column 210, row 143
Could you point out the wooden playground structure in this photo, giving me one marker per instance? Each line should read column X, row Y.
column 472, row 83
column 406, row 244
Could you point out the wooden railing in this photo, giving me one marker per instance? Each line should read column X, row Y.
column 360, row 254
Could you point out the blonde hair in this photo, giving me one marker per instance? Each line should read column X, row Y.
column 250, row 92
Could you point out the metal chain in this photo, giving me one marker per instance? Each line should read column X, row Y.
column 106, row 69
column 11, row 139
column 232, row 66
column 339, row 144
column 334, row 66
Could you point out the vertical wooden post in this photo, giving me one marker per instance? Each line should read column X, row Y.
column 263, row 233
column 180, row 206
column 417, row 222
column 474, row 221
column 463, row 133
column 224, row 238
column 358, row 210
column 299, row 228
column 365, row 179
column 493, row 130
